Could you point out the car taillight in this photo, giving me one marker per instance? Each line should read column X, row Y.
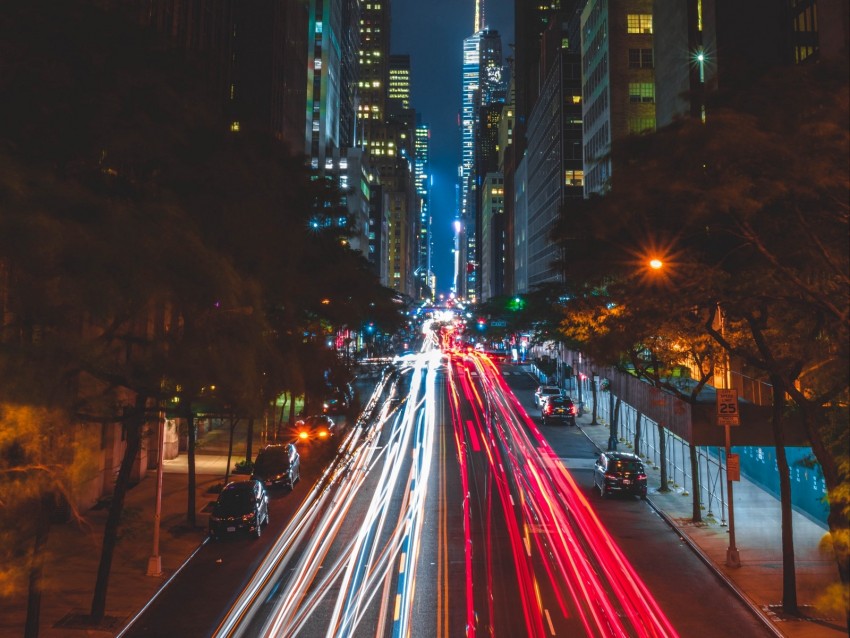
column 641, row 476
column 572, row 409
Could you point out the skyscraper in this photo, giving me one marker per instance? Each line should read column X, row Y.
column 554, row 157
column 373, row 68
column 465, row 214
column 618, row 75
column 422, row 177
column 324, row 82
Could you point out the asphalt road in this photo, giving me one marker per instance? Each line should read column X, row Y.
column 434, row 522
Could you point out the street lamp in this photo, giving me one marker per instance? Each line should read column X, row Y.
column 155, row 560
column 732, row 555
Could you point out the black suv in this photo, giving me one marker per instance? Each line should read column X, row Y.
column 278, row 464
column 559, row 408
column 339, row 399
column 619, row 472
column 242, row 506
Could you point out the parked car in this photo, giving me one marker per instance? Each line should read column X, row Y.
column 241, row 507
column 319, row 427
column 559, row 408
column 619, row 473
column 278, row 465
column 544, row 392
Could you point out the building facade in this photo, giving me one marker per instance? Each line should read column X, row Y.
column 618, row 74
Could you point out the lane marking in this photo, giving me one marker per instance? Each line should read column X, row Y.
column 549, row 620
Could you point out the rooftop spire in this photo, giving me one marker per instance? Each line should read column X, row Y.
column 479, row 16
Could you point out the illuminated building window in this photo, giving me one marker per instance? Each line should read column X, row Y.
column 639, row 23
column 641, row 124
column 234, row 127
column 641, row 92
column 574, row 178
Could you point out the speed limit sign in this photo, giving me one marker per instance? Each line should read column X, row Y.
column 727, row 407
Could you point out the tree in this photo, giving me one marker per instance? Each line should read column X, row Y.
column 748, row 214
column 146, row 252
column 41, row 463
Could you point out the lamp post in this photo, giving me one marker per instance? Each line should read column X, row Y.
column 155, row 561
column 727, row 415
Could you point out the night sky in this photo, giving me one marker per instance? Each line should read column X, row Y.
column 432, row 33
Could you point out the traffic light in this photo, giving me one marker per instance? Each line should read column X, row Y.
column 482, row 323
column 515, row 304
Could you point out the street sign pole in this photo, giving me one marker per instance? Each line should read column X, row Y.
column 733, row 559
column 727, row 416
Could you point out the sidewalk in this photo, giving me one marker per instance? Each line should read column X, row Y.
column 758, row 581
column 73, row 554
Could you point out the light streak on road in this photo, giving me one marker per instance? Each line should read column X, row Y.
column 586, row 570
column 352, row 557
column 363, row 565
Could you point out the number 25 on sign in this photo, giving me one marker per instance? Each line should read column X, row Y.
column 727, row 407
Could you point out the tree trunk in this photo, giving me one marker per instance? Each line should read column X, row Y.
column 190, row 505
column 578, row 386
column 638, row 425
column 614, row 427
column 695, row 483
column 593, row 420
column 233, row 422
column 43, row 510
column 789, row 574
column 249, row 449
column 292, row 411
column 662, row 452
column 133, row 427
column 279, row 430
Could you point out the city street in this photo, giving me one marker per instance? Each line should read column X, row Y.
column 385, row 539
